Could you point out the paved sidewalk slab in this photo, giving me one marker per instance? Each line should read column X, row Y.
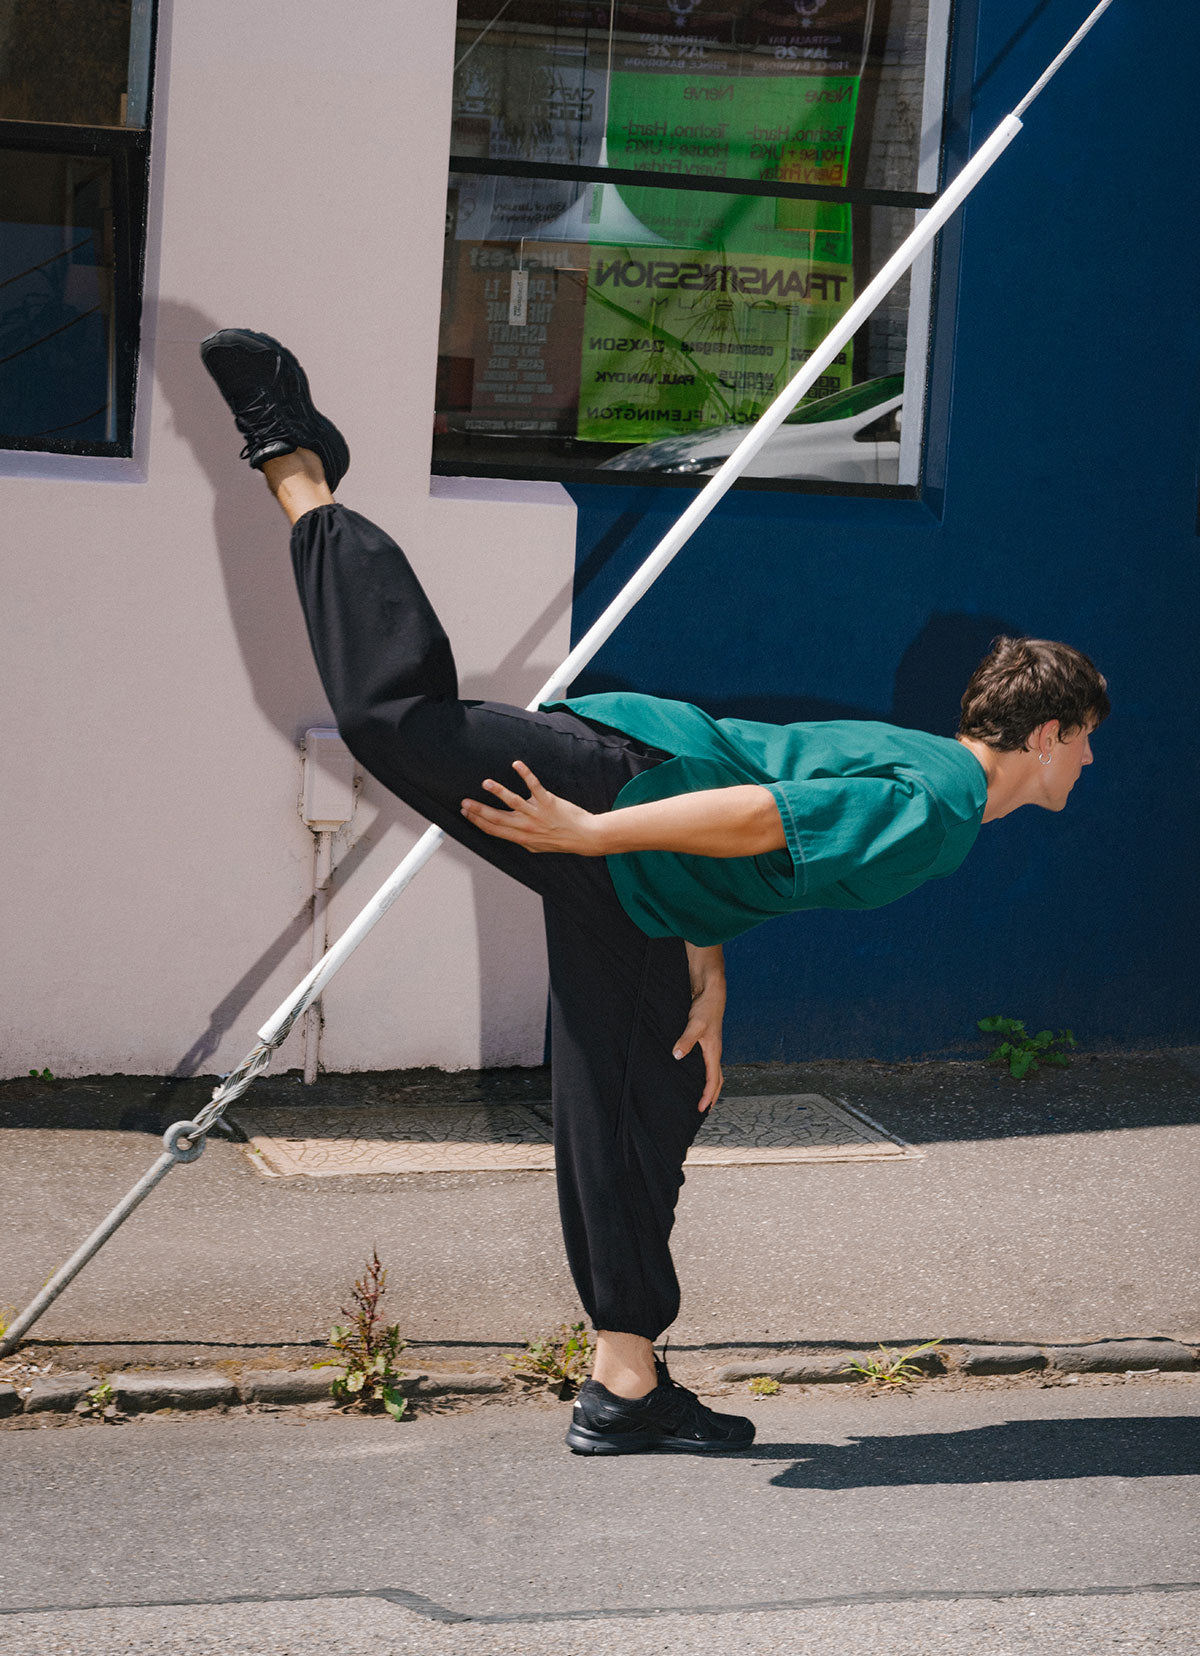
column 1052, row 1211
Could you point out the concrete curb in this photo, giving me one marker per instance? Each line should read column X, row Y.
column 1096, row 1357
column 141, row 1390
column 136, row 1391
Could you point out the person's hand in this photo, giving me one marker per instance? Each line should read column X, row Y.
column 542, row 822
column 707, row 970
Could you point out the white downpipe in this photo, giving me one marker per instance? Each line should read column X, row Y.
column 713, row 491
column 314, row 1017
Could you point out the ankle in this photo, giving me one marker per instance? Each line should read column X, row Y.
column 624, row 1364
column 297, row 481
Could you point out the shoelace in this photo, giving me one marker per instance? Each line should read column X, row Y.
column 693, row 1416
column 259, row 423
column 692, row 1413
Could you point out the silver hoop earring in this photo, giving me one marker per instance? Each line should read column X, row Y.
column 1043, row 758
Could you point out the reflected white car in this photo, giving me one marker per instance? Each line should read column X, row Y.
column 850, row 437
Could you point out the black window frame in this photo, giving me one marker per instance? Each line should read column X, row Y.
column 128, row 150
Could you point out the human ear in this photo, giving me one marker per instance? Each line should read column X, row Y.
column 1043, row 738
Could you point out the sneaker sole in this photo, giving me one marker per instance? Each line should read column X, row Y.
column 582, row 1440
column 336, row 456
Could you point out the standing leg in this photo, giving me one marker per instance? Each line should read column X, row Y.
column 625, row 1110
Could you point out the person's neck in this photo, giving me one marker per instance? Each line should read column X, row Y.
column 1007, row 777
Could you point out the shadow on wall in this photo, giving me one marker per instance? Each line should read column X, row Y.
column 926, row 691
column 251, row 543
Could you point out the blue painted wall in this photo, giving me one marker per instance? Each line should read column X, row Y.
column 1061, row 501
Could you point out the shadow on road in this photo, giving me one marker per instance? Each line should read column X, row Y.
column 1016, row 1451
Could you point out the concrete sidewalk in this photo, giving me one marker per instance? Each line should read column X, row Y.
column 1057, row 1209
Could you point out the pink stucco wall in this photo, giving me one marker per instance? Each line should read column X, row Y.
column 155, row 667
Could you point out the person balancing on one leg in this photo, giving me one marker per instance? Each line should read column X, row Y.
column 653, row 834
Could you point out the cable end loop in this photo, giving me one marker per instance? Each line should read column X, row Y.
column 185, row 1141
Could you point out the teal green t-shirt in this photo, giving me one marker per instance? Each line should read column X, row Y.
column 870, row 811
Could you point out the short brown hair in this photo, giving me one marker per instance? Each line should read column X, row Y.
column 1023, row 683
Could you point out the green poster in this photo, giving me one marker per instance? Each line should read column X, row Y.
column 676, row 340
column 712, row 301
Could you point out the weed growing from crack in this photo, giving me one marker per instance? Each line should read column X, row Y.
column 1022, row 1052
column 367, row 1349
column 764, row 1385
column 559, row 1362
column 888, row 1367
column 99, row 1403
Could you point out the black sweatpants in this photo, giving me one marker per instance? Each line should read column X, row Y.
column 625, row 1110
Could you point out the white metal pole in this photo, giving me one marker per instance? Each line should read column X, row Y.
column 769, row 422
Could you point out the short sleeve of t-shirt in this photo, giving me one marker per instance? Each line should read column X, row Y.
column 840, row 826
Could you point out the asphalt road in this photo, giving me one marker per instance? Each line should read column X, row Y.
column 1005, row 1521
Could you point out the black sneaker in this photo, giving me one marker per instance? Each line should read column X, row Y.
column 267, row 390
column 669, row 1417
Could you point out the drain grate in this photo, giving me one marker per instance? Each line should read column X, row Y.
column 288, row 1142
column 791, row 1127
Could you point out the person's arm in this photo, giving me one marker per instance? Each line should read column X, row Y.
column 741, row 821
column 706, row 968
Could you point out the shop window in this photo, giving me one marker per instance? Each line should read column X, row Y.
column 656, row 211
column 74, row 153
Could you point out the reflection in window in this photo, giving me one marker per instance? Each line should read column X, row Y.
column 582, row 318
column 75, row 83
column 56, row 297
column 623, row 341
column 74, row 62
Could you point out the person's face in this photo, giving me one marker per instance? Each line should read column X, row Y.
column 1068, row 752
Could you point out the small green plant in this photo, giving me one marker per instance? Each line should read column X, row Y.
column 559, row 1362
column 763, row 1385
column 888, row 1367
column 367, row 1349
column 1022, row 1052
column 41, row 1075
column 99, row 1403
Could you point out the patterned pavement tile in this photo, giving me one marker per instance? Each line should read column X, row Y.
column 479, row 1138
column 790, row 1127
